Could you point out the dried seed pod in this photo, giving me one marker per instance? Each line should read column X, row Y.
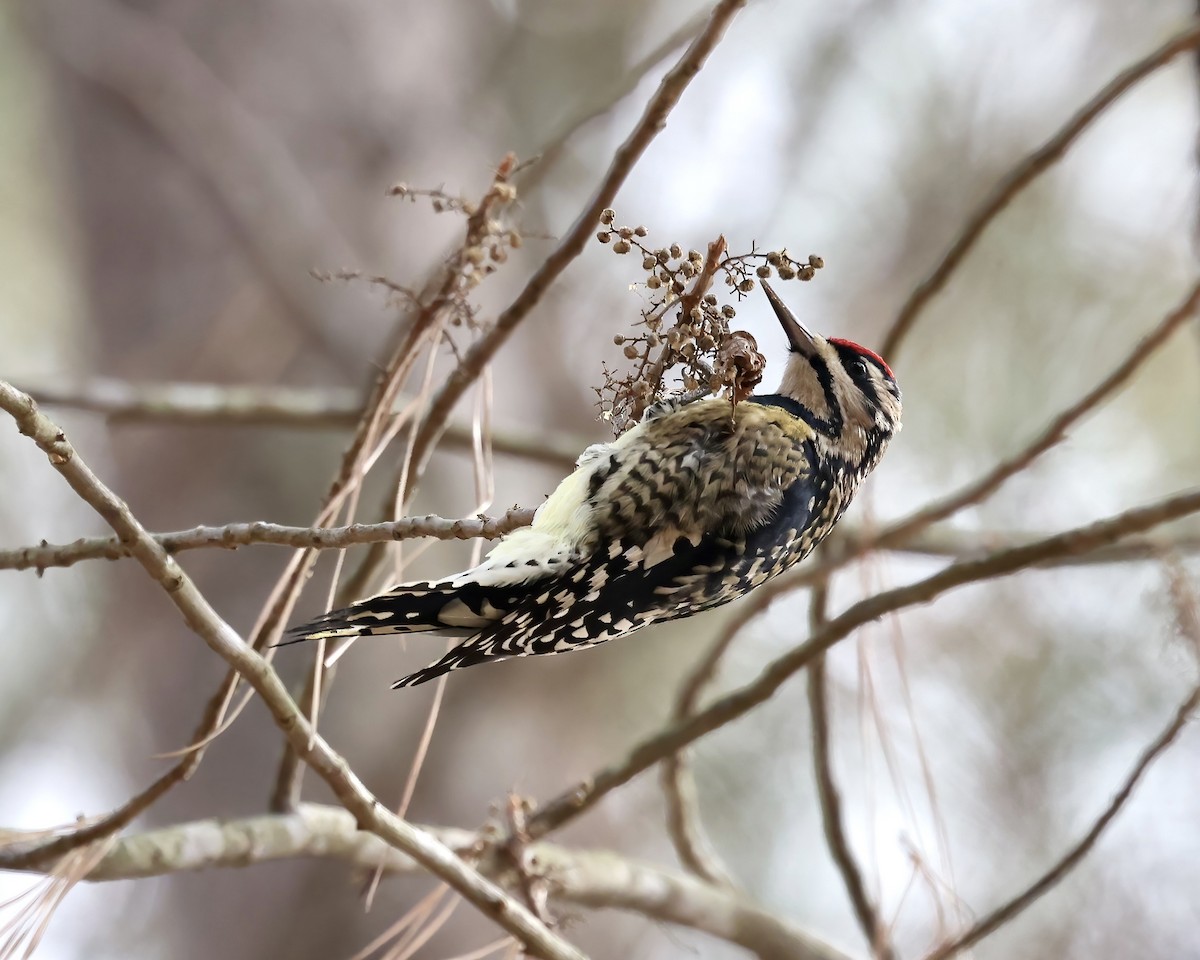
column 740, row 364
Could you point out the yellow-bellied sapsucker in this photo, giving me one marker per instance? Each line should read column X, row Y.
column 695, row 506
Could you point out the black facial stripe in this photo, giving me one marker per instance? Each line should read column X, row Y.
column 832, row 426
column 792, row 406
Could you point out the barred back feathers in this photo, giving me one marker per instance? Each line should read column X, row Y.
column 692, row 508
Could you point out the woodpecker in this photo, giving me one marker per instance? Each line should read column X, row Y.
column 692, row 508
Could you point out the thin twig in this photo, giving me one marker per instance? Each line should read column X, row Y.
column 1052, row 877
column 684, row 826
column 739, row 702
column 204, row 620
column 1024, row 173
column 1054, row 432
column 620, row 83
column 234, row 535
column 651, row 374
column 873, row 928
column 939, row 542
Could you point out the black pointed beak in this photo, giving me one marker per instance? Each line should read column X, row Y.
column 798, row 335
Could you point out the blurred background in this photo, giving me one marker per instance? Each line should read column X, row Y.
column 170, row 172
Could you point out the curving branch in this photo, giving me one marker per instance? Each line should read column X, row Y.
column 234, row 535
column 1054, row 432
column 865, row 910
column 255, row 670
column 650, row 751
column 1051, row 878
column 684, row 826
column 588, row 878
column 271, row 204
column 1023, row 174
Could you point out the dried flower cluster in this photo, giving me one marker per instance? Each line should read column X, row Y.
column 488, row 239
column 697, row 348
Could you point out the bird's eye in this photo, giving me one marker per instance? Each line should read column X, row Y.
column 858, row 368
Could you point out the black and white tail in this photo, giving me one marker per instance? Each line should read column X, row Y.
column 468, row 606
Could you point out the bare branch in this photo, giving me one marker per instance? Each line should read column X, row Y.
column 733, row 705
column 234, row 535
column 1052, row 877
column 684, row 827
column 1054, row 432
column 276, row 406
column 1024, row 173
column 596, row 879
column 965, row 545
column 621, row 83
column 869, row 920
column 200, row 616
column 273, row 406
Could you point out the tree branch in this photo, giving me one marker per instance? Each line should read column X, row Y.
column 589, row 878
column 203, row 620
column 739, row 702
column 1023, row 174
column 1052, row 877
column 684, row 827
column 1054, row 431
column 234, row 535
column 873, row 928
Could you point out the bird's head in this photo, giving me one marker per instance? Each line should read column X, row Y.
column 848, row 393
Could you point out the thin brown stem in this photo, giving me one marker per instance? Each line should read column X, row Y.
column 1023, row 174
column 1051, row 878
column 873, row 927
column 272, row 406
